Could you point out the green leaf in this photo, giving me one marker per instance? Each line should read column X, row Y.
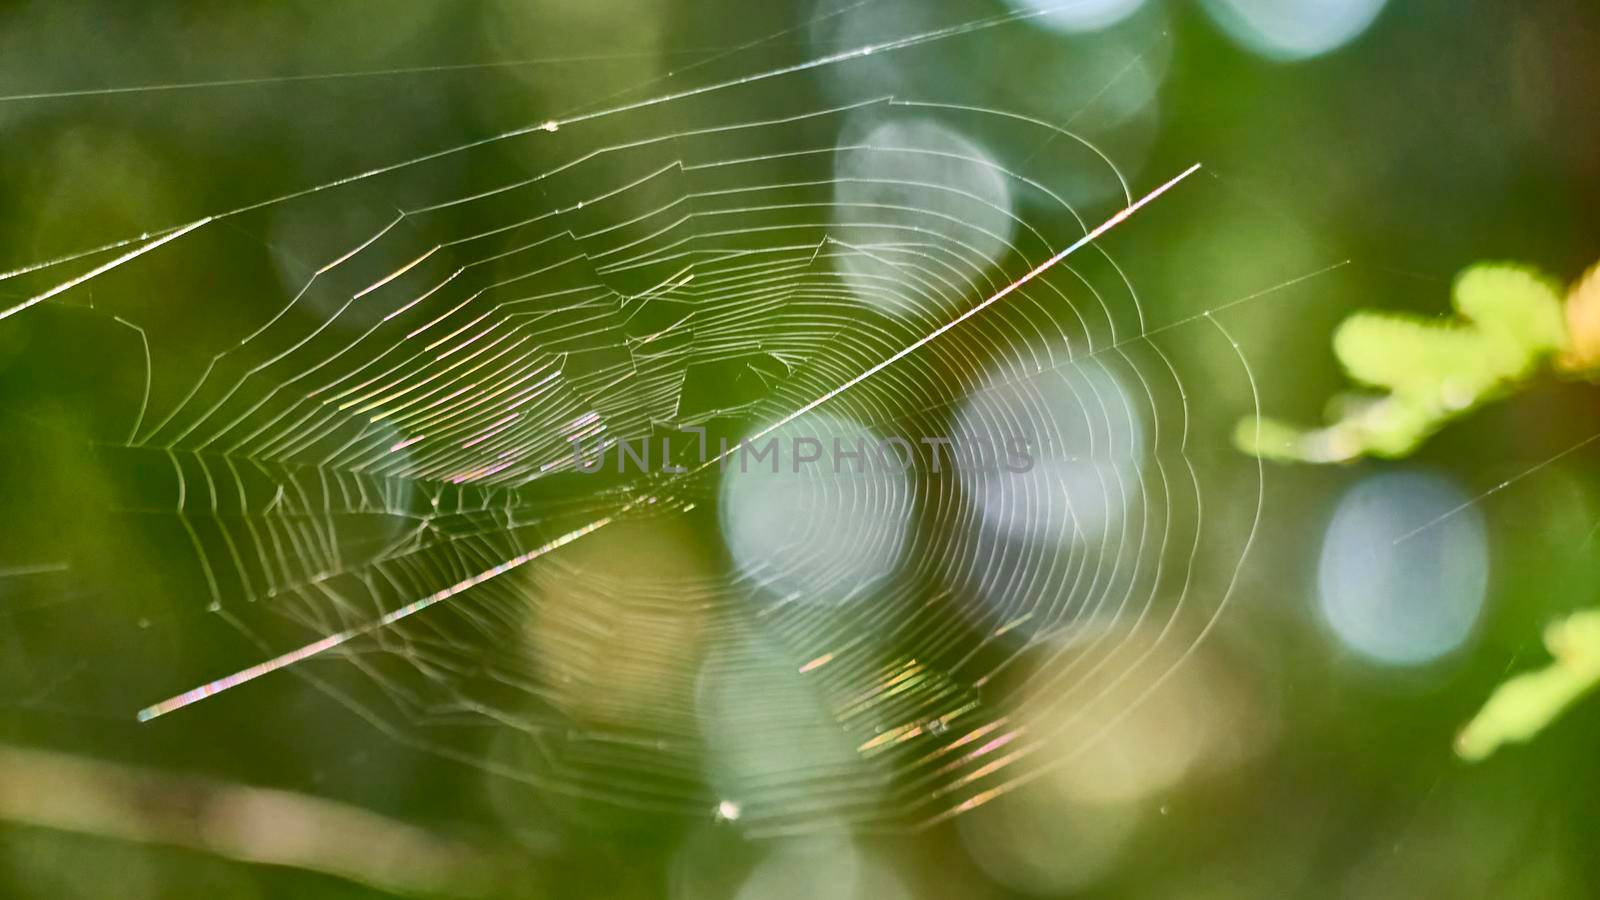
column 1511, row 322
column 1525, row 705
column 1269, row 439
column 1401, row 353
column 1514, row 301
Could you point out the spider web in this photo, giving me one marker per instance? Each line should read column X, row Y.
column 376, row 466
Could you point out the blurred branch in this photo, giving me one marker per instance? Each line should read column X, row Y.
column 1523, row 706
column 1511, row 324
column 248, row 824
column 1426, row 372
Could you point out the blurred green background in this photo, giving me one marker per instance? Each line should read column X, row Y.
column 1304, row 752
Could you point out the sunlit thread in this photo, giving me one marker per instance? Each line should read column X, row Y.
column 997, row 296
column 104, row 268
column 901, row 43
column 1496, row 489
column 715, row 54
column 334, row 640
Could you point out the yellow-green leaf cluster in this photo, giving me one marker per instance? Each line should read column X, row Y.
column 1523, row 706
column 1510, row 324
column 1426, row 371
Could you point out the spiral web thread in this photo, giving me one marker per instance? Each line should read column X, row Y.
column 396, row 434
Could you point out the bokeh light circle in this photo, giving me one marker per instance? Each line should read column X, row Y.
column 1083, row 16
column 1404, row 568
column 823, row 529
column 1289, row 30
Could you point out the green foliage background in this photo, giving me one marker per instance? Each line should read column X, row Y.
column 1452, row 132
